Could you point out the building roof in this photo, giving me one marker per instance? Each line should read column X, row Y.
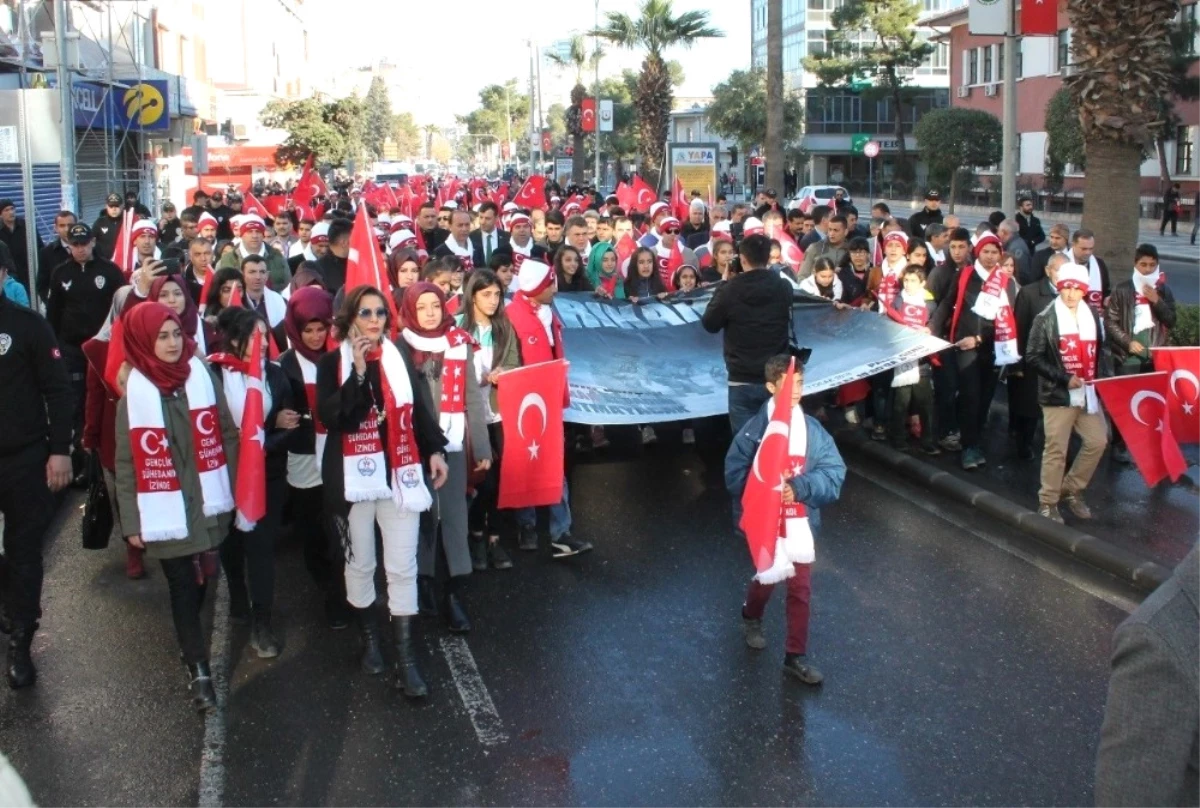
column 946, row 19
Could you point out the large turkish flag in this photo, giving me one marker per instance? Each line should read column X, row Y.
column 532, row 194
column 1039, row 17
column 1183, row 387
column 1139, row 409
column 531, row 408
column 762, row 498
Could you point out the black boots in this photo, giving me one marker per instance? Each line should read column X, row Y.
column 426, row 596
column 200, row 685
column 20, row 670
column 479, row 552
column 456, row 615
column 408, row 675
column 262, row 638
column 372, row 658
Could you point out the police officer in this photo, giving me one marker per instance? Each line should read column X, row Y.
column 108, row 225
column 36, row 411
column 81, row 293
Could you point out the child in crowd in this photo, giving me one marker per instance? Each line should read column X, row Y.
column 815, row 483
column 911, row 386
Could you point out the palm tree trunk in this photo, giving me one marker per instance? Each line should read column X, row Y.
column 773, row 148
column 1113, row 173
column 577, row 159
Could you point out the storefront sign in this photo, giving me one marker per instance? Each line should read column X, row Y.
column 695, row 165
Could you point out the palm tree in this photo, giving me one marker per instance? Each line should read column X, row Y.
column 773, row 145
column 654, row 30
column 1122, row 67
column 578, row 58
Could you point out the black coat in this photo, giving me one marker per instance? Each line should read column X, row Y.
column 1045, row 360
column 1032, row 300
column 303, row 438
column 105, row 230
column 922, row 219
column 333, row 270
column 277, row 439
column 754, row 309
column 477, row 254
column 435, row 238
column 1119, row 314
column 50, row 258
column 15, row 241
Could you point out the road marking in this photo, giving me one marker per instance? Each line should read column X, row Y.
column 473, row 691
column 1125, row 604
column 212, row 756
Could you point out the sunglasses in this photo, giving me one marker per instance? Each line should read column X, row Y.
column 671, row 231
column 378, row 314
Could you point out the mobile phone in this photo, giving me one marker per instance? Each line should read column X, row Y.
column 169, row 266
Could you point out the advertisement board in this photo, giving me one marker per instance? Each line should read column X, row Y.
column 695, row 164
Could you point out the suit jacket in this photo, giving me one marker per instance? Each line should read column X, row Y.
column 479, row 257
column 1149, row 740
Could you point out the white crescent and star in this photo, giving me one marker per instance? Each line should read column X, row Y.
column 1188, row 406
column 536, row 401
column 773, row 428
column 145, row 445
column 200, row 422
column 1135, row 404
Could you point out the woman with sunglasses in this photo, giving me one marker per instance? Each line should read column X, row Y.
column 175, row 451
column 381, row 431
column 444, row 355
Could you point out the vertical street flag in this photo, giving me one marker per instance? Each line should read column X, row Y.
column 1183, row 388
column 606, row 115
column 250, row 492
column 531, row 406
column 587, row 114
column 364, row 264
column 1139, row 410
column 1039, row 17
column 989, row 17
column 762, row 498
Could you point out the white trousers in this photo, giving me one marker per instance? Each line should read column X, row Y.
column 400, row 531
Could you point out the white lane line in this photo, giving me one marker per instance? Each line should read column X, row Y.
column 473, row 691
column 212, row 757
column 1123, row 603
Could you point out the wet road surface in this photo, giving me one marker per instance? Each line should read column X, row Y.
column 957, row 672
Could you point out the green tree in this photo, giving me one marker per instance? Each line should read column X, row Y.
column 503, row 111
column 378, row 125
column 876, row 43
column 407, row 135
column 309, row 131
column 954, row 139
column 1064, row 138
column 739, row 111
column 653, row 31
column 556, row 122
column 578, row 59
column 348, row 116
column 1122, row 70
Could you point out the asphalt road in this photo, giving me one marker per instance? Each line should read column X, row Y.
column 1184, row 279
column 963, row 666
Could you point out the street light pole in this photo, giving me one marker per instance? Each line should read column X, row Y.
column 596, row 57
column 1010, row 155
column 66, row 168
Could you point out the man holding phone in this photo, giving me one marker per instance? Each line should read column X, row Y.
column 145, row 242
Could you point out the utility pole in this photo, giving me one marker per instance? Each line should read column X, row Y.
column 535, row 139
column 66, row 171
column 1010, row 157
column 596, row 58
column 512, row 153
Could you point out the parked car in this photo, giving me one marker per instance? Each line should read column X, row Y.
column 810, row 196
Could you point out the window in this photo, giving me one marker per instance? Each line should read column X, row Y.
column 973, row 66
column 816, row 42
column 1000, row 63
column 1063, row 52
column 987, row 64
column 1020, row 59
column 793, row 13
column 1187, row 17
column 1185, row 147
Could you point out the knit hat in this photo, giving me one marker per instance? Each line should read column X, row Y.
column 1073, row 276
column 986, row 238
column 534, row 278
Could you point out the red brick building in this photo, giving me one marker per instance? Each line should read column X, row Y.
column 977, row 82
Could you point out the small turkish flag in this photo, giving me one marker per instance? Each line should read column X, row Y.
column 626, row 197
column 250, row 493
column 587, row 114
column 762, row 498
column 643, row 195
column 532, row 194
column 1139, row 409
column 250, row 204
column 235, row 297
column 792, row 255
column 626, row 247
column 309, row 187
column 531, row 407
column 1183, row 386
column 680, row 207
column 1039, row 17
column 276, row 204
column 123, row 251
column 364, row 264
column 670, row 265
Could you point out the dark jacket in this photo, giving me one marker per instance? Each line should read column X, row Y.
column 1149, row 745
column 476, row 239
column 962, row 298
column 15, row 241
column 1019, row 250
column 1032, row 300
column 277, row 439
column 435, row 238
column 50, row 258
column 333, row 270
column 1031, row 230
column 922, row 219
column 1044, row 359
column 754, row 309
column 941, row 280
column 1040, row 259
column 818, row 486
column 344, row 407
column 1118, row 319
column 37, row 405
column 80, row 298
column 105, row 230
column 303, row 439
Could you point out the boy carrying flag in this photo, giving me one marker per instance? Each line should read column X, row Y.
column 781, row 468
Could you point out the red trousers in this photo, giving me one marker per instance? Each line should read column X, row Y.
column 799, row 591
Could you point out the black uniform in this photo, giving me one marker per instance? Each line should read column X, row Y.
column 80, row 298
column 435, row 238
column 922, row 219
column 168, row 233
column 36, row 411
column 15, row 241
column 49, row 259
column 105, row 230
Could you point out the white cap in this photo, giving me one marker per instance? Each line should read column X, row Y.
column 401, row 238
column 250, row 221
column 143, row 226
column 320, row 231
column 752, row 226
column 721, row 226
column 1073, row 276
column 657, row 207
column 533, row 276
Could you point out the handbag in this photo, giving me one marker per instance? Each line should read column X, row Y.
column 97, row 522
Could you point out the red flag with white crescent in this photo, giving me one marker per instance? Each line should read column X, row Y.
column 643, row 195
column 680, row 207
column 123, row 251
column 532, row 194
column 365, row 265
column 626, row 197
column 587, row 114
column 531, row 405
column 309, row 187
column 762, row 498
column 1141, row 412
column 250, row 204
column 250, row 493
column 1183, row 387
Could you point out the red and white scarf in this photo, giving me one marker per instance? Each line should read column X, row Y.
column 1143, row 316
column 160, row 501
column 464, row 254
column 308, row 370
column 993, row 305
column 1078, row 346
column 363, row 464
column 795, row 545
column 889, row 283
column 913, row 313
column 453, row 407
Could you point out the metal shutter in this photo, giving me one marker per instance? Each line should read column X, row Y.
column 92, row 160
column 47, row 192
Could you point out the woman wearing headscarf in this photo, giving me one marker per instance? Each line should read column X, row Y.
column 249, row 552
column 172, row 292
column 603, row 272
column 382, row 430
column 308, row 320
column 175, row 455
column 227, row 285
column 444, row 356
column 305, row 275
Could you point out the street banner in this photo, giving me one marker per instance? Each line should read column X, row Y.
column 648, row 363
column 694, row 165
column 1183, row 388
column 1140, row 411
column 606, row 115
column 1039, row 17
column 989, row 17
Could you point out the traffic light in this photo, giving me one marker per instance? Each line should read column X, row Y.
column 570, row 151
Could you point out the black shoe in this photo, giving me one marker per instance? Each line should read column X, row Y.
column 931, row 450
column 262, row 638
column 754, row 634
column 408, row 675
column 427, row 596
column 795, row 665
column 372, row 658
column 479, row 554
column 1121, row 455
column 20, row 670
column 527, row 540
column 337, row 611
column 565, row 546
column 456, row 614
column 200, row 686
column 499, row 556
column 1025, row 452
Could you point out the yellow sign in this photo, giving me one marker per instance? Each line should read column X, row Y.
column 144, row 105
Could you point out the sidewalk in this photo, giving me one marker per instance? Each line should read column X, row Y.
column 1176, row 248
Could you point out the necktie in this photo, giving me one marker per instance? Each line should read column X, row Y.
column 487, row 248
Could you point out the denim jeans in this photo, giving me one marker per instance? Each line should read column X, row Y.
column 745, row 400
column 560, row 515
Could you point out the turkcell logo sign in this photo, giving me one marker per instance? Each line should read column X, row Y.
column 141, row 105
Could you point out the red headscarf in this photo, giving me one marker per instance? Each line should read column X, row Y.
column 306, row 304
column 408, row 309
column 190, row 319
column 140, row 327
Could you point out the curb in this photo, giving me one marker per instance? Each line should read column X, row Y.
column 1140, row 573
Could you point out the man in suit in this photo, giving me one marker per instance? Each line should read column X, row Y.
column 487, row 238
column 1149, row 741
